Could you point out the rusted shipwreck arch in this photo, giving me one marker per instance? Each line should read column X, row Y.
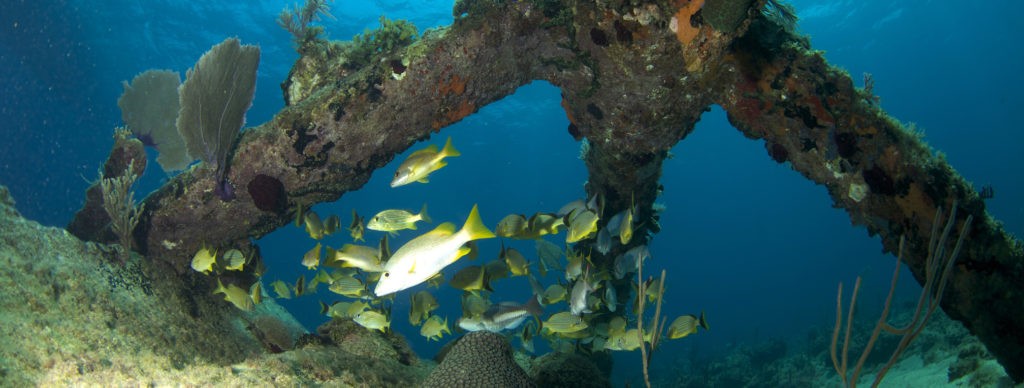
column 635, row 79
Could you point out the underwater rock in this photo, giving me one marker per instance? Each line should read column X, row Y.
column 479, row 359
column 568, row 370
column 353, row 338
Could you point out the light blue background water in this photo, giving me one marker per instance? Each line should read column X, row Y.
column 746, row 239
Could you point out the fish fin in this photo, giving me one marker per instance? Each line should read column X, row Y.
column 463, row 250
column 474, row 226
column 703, row 321
column 446, row 228
column 424, row 216
column 533, row 306
column 428, row 149
column 449, row 149
column 423, row 180
column 412, row 268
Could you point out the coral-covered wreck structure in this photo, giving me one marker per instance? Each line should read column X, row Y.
column 635, row 79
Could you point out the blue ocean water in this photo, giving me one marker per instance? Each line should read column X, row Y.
column 747, row 240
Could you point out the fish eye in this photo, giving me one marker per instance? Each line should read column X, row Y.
column 386, row 274
column 396, row 174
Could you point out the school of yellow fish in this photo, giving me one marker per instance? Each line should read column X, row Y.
column 370, row 276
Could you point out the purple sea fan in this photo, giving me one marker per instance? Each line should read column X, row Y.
column 217, row 92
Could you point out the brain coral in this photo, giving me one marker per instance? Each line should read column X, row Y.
column 479, row 359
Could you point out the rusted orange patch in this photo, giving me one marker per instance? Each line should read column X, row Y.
column 684, row 31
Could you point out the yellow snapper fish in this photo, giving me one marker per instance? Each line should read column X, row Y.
column 474, row 305
column 628, row 340
column 348, row 286
column 626, row 227
column 554, row 293
column 426, row 255
column 256, row 292
column 393, row 220
column 686, row 325
column 356, row 228
column 372, row 320
column 434, row 328
column 238, row 296
column 421, row 163
column 355, row 256
column 203, row 260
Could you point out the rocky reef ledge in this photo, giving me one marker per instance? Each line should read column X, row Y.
column 72, row 314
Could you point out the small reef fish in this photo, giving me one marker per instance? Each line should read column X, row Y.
column 549, row 255
column 582, row 225
column 471, row 279
column 426, row 255
column 300, row 286
column 392, row 220
column 433, row 329
column 686, row 325
column 553, row 294
column 372, row 320
column 321, row 277
column 578, row 297
column 203, row 260
column 628, row 340
column 628, row 262
column 238, row 296
column 421, row 305
column 474, row 305
column 502, row 316
column 564, row 322
column 355, row 256
column 575, row 267
column 234, row 260
column 312, row 257
column 256, row 292
column 384, row 249
column 611, row 298
column 604, row 241
column 626, row 227
column 517, row 263
column 526, row 336
column 421, row 163
column 494, row 270
column 281, row 289
column 348, row 286
column 511, row 226
column 356, row 229
column 314, row 227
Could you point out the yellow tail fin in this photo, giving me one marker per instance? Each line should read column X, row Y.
column 475, row 227
column 449, row 149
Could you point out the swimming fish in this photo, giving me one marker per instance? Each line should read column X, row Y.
column 349, row 286
column 256, row 292
column 575, row 267
column 238, row 296
column 511, row 226
column 502, row 316
column 611, row 298
column 312, row 257
column 235, row 260
column 564, row 322
column 526, row 336
column 549, row 255
column 355, row 256
column 628, row 262
column 203, row 260
column 582, row 225
column 393, row 220
column 686, row 325
column 494, row 270
column 314, row 227
column 517, row 263
column 434, row 328
column 626, row 228
column 421, row 163
column 628, row 340
column 426, row 255
column 281, row 289
column 373, row 320
column 578, row 297
column 553, row 294
column 355, row 229
column 332, row 224
column 421, row 305
column 474, row 305
column 300, row 286
column 470, row 278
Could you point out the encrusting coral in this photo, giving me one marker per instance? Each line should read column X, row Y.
column 479, row 359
